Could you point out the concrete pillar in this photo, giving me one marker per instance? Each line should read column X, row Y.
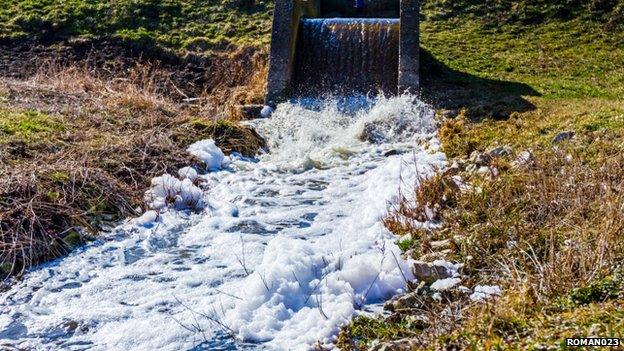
column 283, row 37
column 409, row 47
column 286, row 16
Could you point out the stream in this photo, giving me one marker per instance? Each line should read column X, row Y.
column 289, row 247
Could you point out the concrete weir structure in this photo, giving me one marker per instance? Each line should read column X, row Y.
column 343, row 46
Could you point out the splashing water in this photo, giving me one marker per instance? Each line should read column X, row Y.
column 288, row 248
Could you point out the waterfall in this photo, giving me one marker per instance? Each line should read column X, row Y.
column 346, row 56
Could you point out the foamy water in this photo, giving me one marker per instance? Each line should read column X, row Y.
column 288, row 248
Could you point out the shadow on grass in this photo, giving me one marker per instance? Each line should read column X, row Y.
column 446, row 88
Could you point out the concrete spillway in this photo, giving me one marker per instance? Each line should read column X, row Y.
column 346, row 55
column 321, row 47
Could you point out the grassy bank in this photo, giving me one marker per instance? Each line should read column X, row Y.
column 544, row 219
column 81, row 137
column 179, row 24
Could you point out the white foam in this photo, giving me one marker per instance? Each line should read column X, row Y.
column 485, row 292
column 286, row 250
column 209, row 153
column 445, row 284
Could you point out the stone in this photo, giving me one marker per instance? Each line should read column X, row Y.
column 247, row 112
column 429, row 272
column 266, row 111
column 483, row 170
column 409, row 47
column 480, row 158
column 561, row 136
column 391, row 153
column 449, row 113
column 397, row 345
column 501, row 151
column 440, row 245
column 524, row 159
column 453, row 169
column 372, row 133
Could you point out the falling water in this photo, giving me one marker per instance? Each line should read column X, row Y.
column 346, row 55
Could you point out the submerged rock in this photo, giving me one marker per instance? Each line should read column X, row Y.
column 266, row 111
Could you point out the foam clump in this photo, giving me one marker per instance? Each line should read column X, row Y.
column 209, row 153
column 169, row 191
column 300, row 295
column 188, row 173
column 485, row 292
column 147, row 219
column 445, row 284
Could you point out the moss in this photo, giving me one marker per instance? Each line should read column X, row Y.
column 59, row 176
column 5, row 270
column 598, row 291
column 72, row 240
column 362, row 331
column 27, row 126
column 229, row 136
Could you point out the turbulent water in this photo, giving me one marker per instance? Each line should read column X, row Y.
column 346, row 55
column 289, row 247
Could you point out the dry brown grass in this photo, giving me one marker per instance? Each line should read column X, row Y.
column 550, row 234
column 116, row 130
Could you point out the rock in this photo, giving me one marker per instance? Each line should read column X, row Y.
column 416, row 298
column 249, row 111
column 397, row 345
column 372, row 134
column 524, row 159
column 561, row 136
column 429, row 272
column 433, row 256
column 493, row 172
column 440, row 245
column 391, row 153
column 480, row 158
column 448, row 113
column 483, row 170
column 266, row 111
column 501, row 151
column 453, row 169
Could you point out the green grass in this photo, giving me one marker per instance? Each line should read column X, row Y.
column 559, row 59
column 211, row 24
column 27, row 126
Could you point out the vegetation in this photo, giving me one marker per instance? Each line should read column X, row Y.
column 548, row 229
column 79, row 145
column 190, row 24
